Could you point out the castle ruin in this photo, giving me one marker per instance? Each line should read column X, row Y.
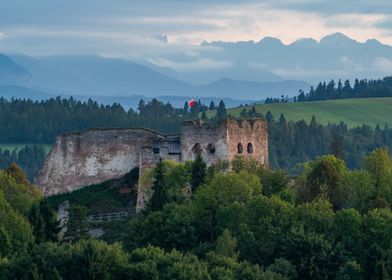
column 78, row 159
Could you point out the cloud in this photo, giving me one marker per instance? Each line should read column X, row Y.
column 133, row 28
column 383, row 64
column 196, row 65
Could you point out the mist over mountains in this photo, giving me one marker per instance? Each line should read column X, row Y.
column 240, row 72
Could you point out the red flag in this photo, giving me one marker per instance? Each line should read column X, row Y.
column 191, row 103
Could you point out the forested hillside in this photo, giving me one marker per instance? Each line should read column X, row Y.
column 247, row 223
column 290, row 142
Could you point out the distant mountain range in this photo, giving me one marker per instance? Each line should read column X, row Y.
column 334, row 56
column 116, row 80
column 241, row 72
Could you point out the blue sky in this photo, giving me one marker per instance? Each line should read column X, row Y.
column 132, row 29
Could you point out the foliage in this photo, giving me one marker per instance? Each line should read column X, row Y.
column 19, row 196
column 199, row 172
column 159, row 197
column 30, row 158
column 44, row 221
column 77, row 227
column 15, row 231
column 361, row 89
column 112, row 195
column 247, row 222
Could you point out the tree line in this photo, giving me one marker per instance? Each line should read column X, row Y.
column 27, row 121
column 24, row 121
column 243, row 222
column 30, row 158
column 337, row 90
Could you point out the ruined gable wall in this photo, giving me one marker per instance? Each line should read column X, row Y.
column 204, row 134
column 90, row 157
column 254, row 131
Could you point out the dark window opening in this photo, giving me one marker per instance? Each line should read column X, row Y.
column 211, row 148
column 196, row 149
column 240, row 149
column 156, row 147
column 250, row 148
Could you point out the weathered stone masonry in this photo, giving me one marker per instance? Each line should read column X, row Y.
column 78, row 159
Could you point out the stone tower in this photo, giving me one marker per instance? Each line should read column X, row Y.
column 225, row 140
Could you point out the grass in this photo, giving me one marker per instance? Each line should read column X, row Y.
column 353, row 112
column 112, row 195
column 11, row 147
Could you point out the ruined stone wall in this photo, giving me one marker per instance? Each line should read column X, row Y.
column 207, row 136
column 246, row 132
column 148, row 160
column 90, row 157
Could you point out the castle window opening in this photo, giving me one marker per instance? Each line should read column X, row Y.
column 211, row 148
column 196, row 149
column 240, row 149
column 156, row 148
column 250, row 148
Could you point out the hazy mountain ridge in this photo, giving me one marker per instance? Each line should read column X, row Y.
column 97, row 76
column 236, row 70
column 334, row 56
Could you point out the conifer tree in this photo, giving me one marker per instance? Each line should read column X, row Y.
column 212, row 105
column 199, row 172
column 158, row 198
column 221, row 111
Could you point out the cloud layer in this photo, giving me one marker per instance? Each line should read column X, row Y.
column 168, row 32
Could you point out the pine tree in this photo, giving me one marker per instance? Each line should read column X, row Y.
column 44, row 221
column 336, row 145
column 199, row 173
column 221, row 111
column 212, row 105
column 158, row 198
column 77, row 227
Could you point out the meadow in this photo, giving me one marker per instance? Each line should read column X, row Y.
column 353, row 112
column 11, row 147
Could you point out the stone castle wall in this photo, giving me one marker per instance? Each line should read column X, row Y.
column 90, row 157
column 212, row 141
column 251, row 135
column 83, row 158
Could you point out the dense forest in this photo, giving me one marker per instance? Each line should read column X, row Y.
column 24, row 121
column 30, row 158
column 211, row 223
column 336, row 90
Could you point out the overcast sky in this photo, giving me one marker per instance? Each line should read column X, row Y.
column 149, row 28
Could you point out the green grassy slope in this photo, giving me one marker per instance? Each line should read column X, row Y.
column 353, row 112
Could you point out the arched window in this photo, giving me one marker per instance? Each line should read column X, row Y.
column 211, row 148
column 196, row 149
column 240, row 149
column 250, row 148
